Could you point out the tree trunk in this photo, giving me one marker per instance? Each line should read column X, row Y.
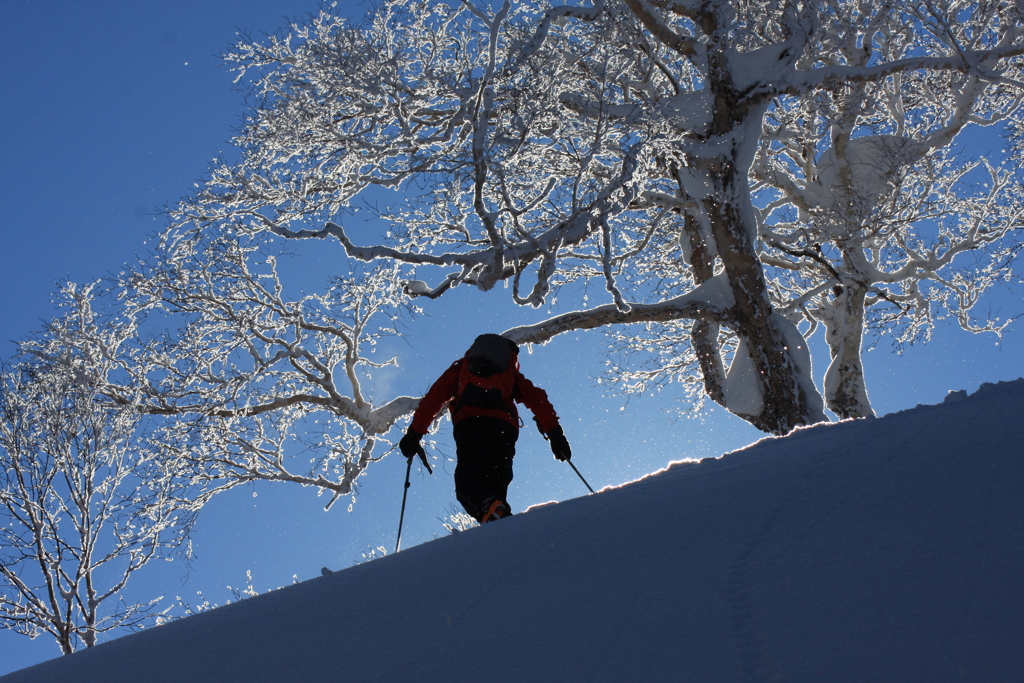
column 845, row 390
column 704, row 333
column 779, row 365
column 786, row 398
column 704, row 337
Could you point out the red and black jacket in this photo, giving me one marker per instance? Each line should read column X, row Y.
column 446, row 389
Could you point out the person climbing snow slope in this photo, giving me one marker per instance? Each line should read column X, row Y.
column 481, row 390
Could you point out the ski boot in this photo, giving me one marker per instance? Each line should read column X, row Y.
column 494, row 509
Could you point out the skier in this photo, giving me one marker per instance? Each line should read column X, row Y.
column 481, row 390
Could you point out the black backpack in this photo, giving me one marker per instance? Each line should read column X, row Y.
column 487, row 379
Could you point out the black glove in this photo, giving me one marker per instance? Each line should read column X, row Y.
column 559, row 444
column 410, row 447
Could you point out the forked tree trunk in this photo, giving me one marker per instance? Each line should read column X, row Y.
column 785, row 400
column 779, row 365
column 845, row 390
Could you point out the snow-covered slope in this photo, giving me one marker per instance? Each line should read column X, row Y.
column 878, row 550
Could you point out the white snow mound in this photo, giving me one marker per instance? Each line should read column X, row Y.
column 886, row 549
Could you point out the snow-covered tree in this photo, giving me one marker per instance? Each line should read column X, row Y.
column 85, row 502
column 928, row 250
column 253, row 382
column 610, row 142
column 874, row 216
column 877, row 218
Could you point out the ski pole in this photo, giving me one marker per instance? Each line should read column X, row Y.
column 405, row 493
column 401, row 518
column 579, row 475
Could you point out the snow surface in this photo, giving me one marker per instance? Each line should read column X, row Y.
column 886, row 549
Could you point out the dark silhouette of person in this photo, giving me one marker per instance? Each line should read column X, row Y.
column 481, row 390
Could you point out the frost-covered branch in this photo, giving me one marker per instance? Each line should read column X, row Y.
column 249, row 370
column 615, row 143
column 86, row 500
column 710, row 301
column 869, row 196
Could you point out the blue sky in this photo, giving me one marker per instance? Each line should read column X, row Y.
column 114, row 108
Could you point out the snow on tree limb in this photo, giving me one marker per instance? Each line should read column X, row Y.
column 622, row 143
column 709, row 301
column 251, row 370
column 970, row 63
column 865, row 175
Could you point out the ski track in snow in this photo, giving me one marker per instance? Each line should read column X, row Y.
column 740, row 587
column 766, row 546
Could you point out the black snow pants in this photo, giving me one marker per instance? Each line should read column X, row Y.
column 484, row 448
